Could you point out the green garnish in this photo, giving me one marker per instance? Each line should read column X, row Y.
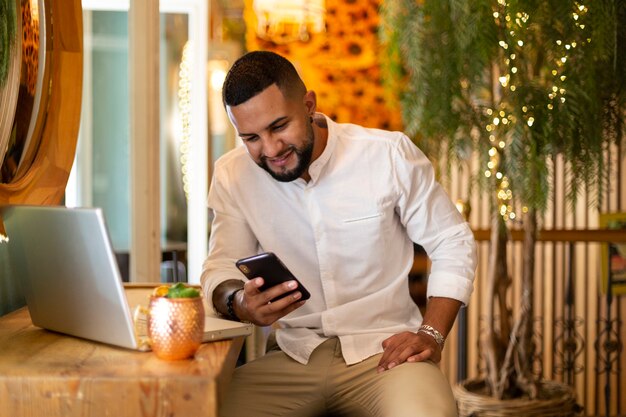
column 180, row 290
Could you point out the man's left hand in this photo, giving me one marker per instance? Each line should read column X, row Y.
column 408, row 347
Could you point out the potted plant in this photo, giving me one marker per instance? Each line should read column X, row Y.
column 516, row 83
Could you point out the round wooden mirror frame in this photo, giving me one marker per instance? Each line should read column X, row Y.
column 44, row 182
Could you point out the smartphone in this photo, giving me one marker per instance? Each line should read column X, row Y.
column 267, row 266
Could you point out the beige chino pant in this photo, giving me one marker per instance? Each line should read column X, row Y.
column 276, row 385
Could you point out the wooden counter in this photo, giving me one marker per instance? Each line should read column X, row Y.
column 43, row 373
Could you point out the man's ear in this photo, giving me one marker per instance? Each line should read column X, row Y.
column 310, row 102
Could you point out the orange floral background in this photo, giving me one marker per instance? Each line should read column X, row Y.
column 342, row 64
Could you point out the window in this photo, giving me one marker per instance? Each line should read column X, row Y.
column 101, row 175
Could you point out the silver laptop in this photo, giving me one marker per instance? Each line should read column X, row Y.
column 65, row 264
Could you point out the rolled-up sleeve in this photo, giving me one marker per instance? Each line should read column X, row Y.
column 433, row 221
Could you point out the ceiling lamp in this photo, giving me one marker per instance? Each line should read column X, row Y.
column 282, row 21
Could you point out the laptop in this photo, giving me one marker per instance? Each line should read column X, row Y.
column 65, row 264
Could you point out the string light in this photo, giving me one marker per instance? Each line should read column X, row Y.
column 501, row 119
column 184, row 106
column 495, row 152
column 559, row 92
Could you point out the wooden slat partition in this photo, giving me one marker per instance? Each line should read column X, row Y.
column 568, row 245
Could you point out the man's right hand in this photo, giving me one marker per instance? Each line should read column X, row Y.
column 251, row 304
column 256, row 306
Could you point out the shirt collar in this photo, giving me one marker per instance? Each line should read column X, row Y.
column 317, row 166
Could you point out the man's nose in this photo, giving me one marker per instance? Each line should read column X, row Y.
column 272, row 146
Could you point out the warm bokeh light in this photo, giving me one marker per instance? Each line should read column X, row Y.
column 282, row 21
column 184, row 107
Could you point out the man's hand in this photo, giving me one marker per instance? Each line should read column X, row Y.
column 420, row 346
column 256, row 306
column 408, row 347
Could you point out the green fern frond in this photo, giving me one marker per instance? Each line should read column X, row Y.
column 565, row 91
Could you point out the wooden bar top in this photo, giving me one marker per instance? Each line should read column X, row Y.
column 43, row 373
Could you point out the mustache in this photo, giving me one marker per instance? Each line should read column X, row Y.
column 280, row 155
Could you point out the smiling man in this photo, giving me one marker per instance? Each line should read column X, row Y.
column 341, row 205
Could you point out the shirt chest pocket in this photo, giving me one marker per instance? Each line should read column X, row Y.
column 367, row 218
column 362, row 233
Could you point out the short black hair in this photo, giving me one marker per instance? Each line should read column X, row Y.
column 256, row 71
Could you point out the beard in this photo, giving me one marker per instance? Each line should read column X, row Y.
column 303, row 156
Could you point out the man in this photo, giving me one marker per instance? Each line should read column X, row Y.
column 341, row 205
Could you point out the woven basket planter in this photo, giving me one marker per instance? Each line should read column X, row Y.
column 557, row 400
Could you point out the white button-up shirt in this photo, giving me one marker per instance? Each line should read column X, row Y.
column 346, row 234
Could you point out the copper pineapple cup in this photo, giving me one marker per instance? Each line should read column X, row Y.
column 175, row 326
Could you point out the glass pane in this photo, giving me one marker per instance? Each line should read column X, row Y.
column 106, row 122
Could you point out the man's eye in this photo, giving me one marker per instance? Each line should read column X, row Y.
column 250, row 139
column 280, row 127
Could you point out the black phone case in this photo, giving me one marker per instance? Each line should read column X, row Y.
column 267, row 266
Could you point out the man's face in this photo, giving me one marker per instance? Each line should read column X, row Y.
column 276, row 132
